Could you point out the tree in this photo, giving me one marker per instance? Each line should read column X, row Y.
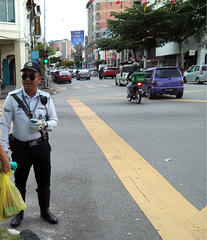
column 182, row 20
column 129, row 30
column 143, row 28
column 40, row 48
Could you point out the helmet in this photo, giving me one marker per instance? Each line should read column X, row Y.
column 135, row 65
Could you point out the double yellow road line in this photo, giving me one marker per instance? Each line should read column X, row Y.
column 171, row 214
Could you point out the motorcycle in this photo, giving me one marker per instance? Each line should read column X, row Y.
column 136, row 92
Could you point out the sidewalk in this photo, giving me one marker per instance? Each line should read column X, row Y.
column 50, row 89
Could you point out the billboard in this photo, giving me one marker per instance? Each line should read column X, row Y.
column 77, row 42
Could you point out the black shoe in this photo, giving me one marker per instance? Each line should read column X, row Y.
column 48, row 216
column 16, row 220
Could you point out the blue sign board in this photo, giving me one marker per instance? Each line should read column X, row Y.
column 34, row 55
column 77, row 41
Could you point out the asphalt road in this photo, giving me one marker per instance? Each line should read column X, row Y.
column 122, row 170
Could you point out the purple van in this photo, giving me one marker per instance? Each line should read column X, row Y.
column 163, row 80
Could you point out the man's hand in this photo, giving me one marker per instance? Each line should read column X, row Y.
column 37, row 125
column 6, row 158
column 6, row 166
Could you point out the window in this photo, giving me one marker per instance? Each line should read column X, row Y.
column 98, row 7
column 98, row 26
column 7, row 11
column 98, row 17
column 167, row 73
column 149, row 74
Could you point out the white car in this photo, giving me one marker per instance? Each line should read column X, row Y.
column 196, row 73
column 122, row 73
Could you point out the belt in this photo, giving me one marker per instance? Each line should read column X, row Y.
column 30, row 143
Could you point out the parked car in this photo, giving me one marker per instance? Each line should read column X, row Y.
column 83, row 73
column 110, row 72
column 163, row 80
column 196, row 73
column 122, row 73
column 94, row 72
column 63, row 76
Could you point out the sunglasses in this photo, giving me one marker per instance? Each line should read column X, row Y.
column 31, row 77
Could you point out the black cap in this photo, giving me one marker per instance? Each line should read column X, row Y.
column 32, row 66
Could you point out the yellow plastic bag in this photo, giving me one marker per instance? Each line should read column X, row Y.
column 11, row 202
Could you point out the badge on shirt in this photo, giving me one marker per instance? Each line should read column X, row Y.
column 6, row 109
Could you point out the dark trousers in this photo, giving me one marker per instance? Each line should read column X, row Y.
column 36, row 156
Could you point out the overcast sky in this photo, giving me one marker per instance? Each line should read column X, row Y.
column 63, row 16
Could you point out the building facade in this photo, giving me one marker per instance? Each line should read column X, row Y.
column 98, row 13
column 19, row 31
column 64, row 46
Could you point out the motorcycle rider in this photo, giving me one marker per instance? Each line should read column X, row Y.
column 135, row 68
column 101, row 72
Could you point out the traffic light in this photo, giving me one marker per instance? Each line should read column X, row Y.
column 46, row 55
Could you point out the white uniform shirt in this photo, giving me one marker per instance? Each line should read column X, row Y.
column 12, row 113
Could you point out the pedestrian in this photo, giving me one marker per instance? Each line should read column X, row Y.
column 32, row 118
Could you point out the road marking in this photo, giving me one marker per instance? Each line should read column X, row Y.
column 171, row 214
column 103, row 85
column 90, row 86
column 76, row 87
column 62, row 88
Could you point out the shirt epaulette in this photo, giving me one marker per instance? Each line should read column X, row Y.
column 16, row 91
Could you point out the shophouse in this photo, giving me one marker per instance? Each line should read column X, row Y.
column 19, row 32
column 99, row 11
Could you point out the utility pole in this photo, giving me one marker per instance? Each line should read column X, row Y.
column 45, row 75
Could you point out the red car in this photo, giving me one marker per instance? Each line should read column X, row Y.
column 63, row 76
column 110, row 72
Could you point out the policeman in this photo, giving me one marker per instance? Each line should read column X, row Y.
column 32, row 117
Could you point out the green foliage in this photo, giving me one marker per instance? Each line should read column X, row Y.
column 155, row 26
column 78, row 63
column 182, row 20
column 5, row 235
column 65, row 64
column 40, row 48
column 142, row 27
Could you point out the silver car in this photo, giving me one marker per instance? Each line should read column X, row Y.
column 196, row 73
column 83, row 73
